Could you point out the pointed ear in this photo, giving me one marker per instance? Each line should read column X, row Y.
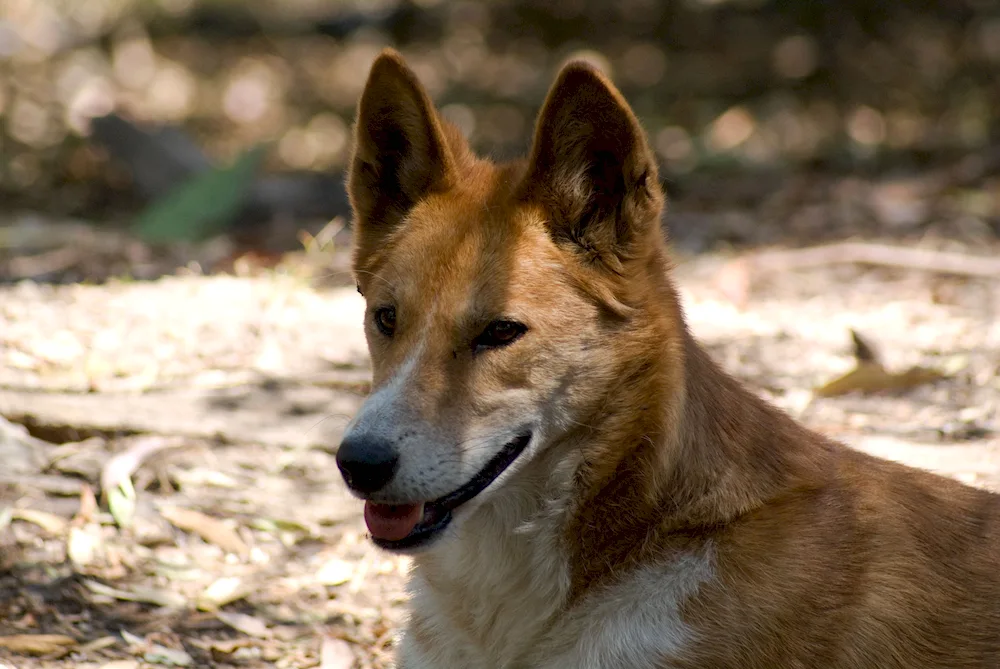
column 400, row 152
column 592, row 169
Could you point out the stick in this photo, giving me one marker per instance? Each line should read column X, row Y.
column 861, row 253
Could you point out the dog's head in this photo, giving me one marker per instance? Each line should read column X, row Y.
column 508, row 306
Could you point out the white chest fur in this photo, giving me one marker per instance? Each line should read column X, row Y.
column 502, row 606
column 490, row 594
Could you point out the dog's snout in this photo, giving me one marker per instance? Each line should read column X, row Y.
column 367, row 462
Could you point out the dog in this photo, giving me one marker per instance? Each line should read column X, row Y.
column 579, row 485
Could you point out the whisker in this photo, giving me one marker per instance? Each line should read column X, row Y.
column 346, row 418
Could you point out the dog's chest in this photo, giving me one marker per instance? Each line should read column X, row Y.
column 507, row 611
column 501, row 596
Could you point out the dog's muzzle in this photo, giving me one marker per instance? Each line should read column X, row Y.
column 369, row 464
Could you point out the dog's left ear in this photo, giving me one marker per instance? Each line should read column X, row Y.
column 591, row 168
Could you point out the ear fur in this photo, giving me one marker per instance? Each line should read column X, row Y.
column 400, row 151
column 591, row 168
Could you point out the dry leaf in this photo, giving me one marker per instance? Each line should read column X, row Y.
column 247, row 624
column 172, row 657
column 88, row 505
column 163, row 598
column 155, row 653
column 870, row 376
column 49, row 522
column 121, row 664
column 37, row 644
column 116, row 477
column 335, row 654
column 275, row 525
column 210, row 529
column 222, row 591
column 230, row 651
column 864, row 350
column 84, row 544
column 873, row 378
column 133, row 640
column 100, row 643
column 121, row 502
column 208, row 477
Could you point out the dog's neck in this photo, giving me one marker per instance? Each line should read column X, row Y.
column 712, row 452
column 734, row 450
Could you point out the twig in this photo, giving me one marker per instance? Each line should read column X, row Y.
column 863, row 253
column 49, row 262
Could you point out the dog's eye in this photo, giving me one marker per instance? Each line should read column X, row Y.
column 499, row 333
column 385, row 320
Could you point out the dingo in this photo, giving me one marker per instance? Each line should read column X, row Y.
column 580, row 486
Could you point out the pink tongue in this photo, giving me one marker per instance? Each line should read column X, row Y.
column 392, row 522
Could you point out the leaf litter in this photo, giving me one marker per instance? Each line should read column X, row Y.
column 37, row 644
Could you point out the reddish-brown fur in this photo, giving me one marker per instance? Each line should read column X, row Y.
column 825, row 557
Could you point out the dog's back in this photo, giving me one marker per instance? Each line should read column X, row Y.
column 580, row 485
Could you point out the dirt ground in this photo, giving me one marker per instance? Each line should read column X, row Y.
column 175, row 502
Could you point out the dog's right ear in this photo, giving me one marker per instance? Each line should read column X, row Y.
column 400, row 153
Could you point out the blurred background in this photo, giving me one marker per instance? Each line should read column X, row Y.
column 756, row 109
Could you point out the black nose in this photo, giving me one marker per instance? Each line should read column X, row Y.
column 367, row 463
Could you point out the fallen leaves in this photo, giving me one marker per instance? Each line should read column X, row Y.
column 212, row 530
column 116, row 476
column 195, row 571
column 222, row 591
column 232, row 651
column 37, row 644
column 246, row 624
column 84, row 545
column 157, row 597
column 156, row 653
column 49, row 522
column 870, row 376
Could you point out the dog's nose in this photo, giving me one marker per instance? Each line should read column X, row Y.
column 367, row 463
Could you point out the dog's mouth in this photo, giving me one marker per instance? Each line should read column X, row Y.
column 406, row 526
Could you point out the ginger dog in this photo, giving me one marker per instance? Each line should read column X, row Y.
column 580, row 486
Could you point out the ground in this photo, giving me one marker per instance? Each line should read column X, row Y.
column 175, row 502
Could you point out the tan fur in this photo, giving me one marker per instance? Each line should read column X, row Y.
column 666, row 517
